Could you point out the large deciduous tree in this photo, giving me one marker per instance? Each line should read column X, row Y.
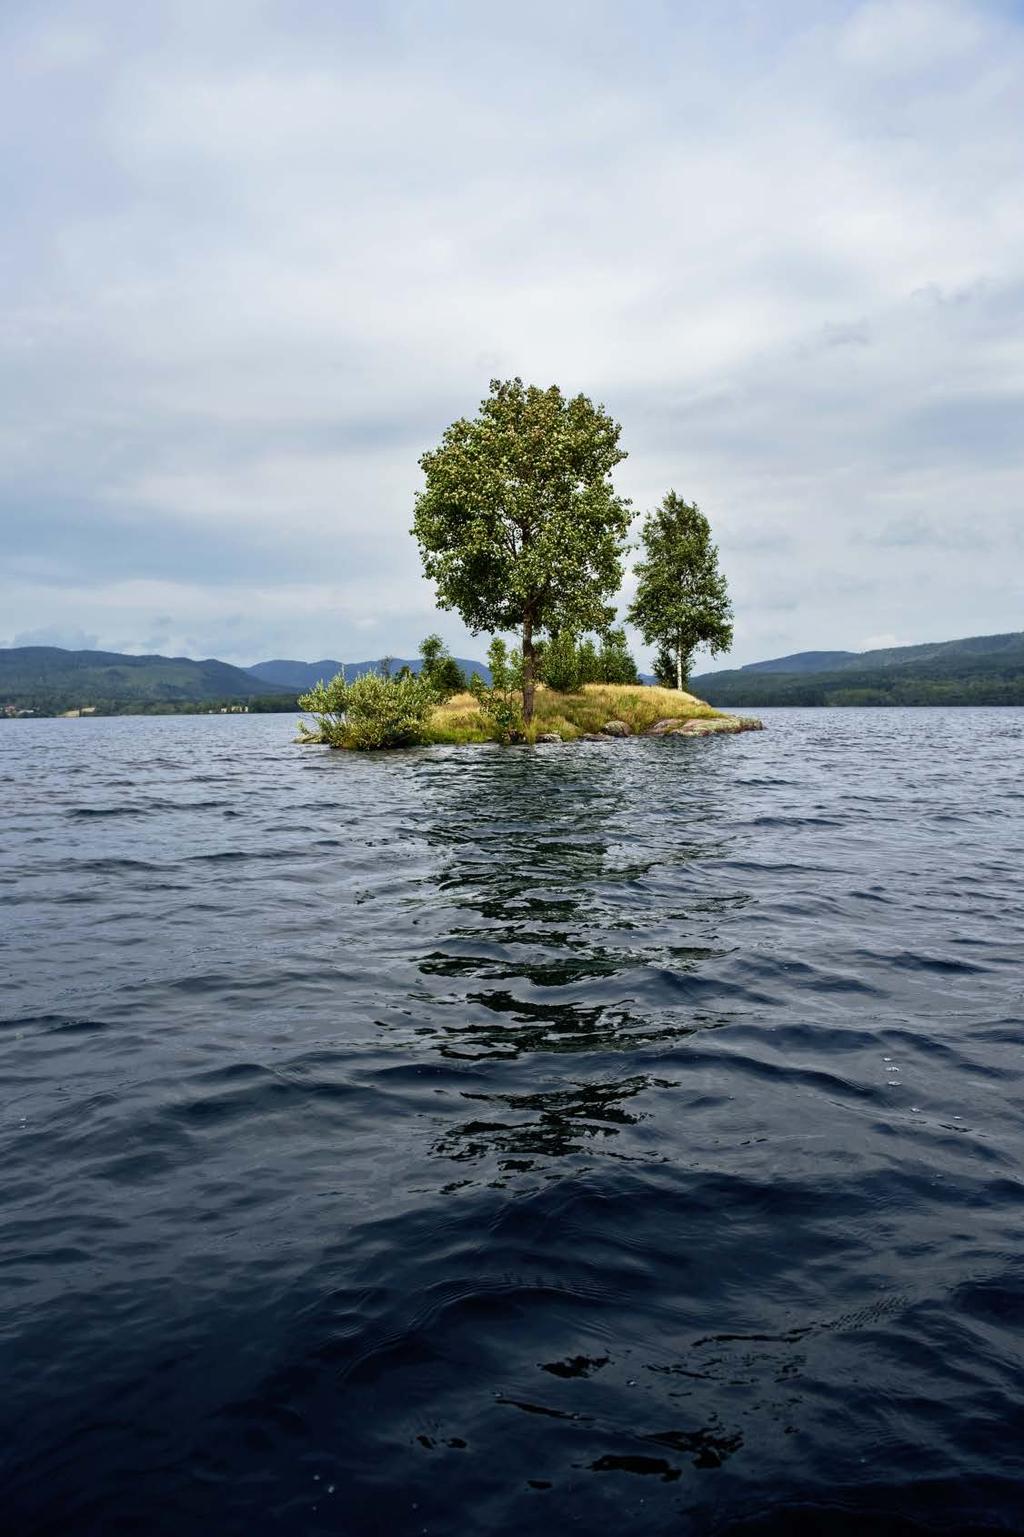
column 682, row 602
column 519, row 525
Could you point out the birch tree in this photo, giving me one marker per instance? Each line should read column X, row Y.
column 682, row 602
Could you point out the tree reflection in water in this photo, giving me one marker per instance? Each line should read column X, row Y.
column 568, row 925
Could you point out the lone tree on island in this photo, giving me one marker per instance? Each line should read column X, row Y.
column 682, row 602
column 519, row 525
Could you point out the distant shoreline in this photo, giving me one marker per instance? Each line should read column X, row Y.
column 985, row 670
column 191, row 709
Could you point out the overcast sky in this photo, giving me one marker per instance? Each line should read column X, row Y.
column 258, row 253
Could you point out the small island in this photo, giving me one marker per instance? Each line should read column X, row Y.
column 435, row 706
column 521, row 530
column 598, row 713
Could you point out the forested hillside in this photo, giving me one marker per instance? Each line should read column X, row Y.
column 49, row 680
column 979, row 670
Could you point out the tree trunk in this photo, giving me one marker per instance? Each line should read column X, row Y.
column 679, row 668
column 529, row 671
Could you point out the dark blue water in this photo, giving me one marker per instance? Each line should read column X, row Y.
column 611, row 1138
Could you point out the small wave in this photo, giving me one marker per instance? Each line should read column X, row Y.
column 87, row 813
column 507, row 1142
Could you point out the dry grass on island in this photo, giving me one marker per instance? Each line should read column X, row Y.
column 583, row 714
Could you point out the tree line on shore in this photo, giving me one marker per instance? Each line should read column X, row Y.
column 45, row 702
column 520, row 528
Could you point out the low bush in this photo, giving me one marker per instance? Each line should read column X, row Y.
column 375, row 711
column 326, row 703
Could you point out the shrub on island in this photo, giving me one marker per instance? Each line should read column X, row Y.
column 500, row 703
column 375, row 711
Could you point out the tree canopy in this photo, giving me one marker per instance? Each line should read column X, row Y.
column 440, row 668
column 568, row 664
column 682, row 602
column 519, row 525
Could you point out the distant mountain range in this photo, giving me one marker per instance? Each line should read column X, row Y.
column 47, row 680
column 983, row 669
column 302, row 675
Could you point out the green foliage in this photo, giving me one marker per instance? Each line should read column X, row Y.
column 569, row 665
column 561, row 666
column 881, row 686
column 440, row 668
column 327, row 703
column 682, row 601
column 432, row 649
column 43, row 703
column 519, row 525
column 664, row 666
column 615, row 664
column 375, row 711
column 588, row 661
column 449, row 678
column 500, row 703
column 672, row 668
column 978, row 670
column 49, row 680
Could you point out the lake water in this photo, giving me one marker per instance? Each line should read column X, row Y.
column 610, row 1138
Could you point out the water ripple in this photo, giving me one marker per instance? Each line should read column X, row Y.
column 616, row 1138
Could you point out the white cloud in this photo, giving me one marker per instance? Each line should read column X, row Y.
column 260, row 267
column 912, row 37
column 70, row 637
column 879, row 642
column 57, row 47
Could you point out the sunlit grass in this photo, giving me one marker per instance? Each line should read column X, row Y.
column 574, row 715
column 459, row 720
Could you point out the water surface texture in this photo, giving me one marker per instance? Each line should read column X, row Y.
column 609, row 1138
